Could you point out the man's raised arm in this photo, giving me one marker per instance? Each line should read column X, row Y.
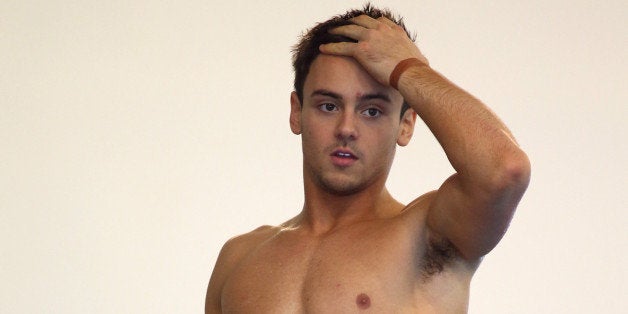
column 473, row 208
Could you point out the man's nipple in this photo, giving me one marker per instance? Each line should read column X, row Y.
column 363, row 301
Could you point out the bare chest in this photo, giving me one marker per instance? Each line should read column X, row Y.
column 344, row 272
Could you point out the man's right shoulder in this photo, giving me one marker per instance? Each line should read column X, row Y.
column 240, row 245
column 232, row 252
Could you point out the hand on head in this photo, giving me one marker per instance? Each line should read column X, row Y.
column 381, row 45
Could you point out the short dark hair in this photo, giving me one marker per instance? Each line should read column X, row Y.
column 306, row 50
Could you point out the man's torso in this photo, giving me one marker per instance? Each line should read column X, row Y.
column 384, row 266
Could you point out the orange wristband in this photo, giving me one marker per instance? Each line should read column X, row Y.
column 401, row 67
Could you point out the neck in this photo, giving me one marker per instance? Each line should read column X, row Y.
column 324, row 211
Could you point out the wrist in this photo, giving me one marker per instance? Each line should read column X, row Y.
column 401, row 68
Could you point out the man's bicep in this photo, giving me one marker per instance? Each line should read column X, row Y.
column 471, row 218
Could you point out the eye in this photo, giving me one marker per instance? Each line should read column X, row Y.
column 328, row 107
column 372, row 112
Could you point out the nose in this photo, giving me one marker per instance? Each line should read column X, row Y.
column 347, row 128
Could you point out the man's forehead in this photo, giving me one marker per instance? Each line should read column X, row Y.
column 342, row 65
column 344, row 77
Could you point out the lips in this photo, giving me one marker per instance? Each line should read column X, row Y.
column 343, row 157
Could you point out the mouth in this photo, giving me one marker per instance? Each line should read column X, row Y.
column 343, row 158
column 344, row 154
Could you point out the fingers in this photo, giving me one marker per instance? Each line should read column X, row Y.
column 359, row 31
column 365, row 21
column 371, row 23
column 352, row 31
column 361, row 25
column 388, row 22
column 341, row 48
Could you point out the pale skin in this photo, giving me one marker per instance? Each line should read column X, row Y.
column 353, row 247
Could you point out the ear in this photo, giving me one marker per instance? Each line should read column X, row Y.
column 406, row 127
column 295, row 113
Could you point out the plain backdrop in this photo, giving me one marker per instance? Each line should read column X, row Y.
column 136, row 137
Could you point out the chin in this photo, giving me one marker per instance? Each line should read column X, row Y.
column 341, row 187
column 342, row 191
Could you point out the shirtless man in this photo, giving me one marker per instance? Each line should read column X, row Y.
column 353, row 247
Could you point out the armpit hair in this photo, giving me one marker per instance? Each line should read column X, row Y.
column 438, row 254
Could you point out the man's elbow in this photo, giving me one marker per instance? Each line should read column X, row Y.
column 503, row 193
column 512, row 174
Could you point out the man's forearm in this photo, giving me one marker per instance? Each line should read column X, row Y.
column 478, row 145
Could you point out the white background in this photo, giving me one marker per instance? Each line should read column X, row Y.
column 136, row 137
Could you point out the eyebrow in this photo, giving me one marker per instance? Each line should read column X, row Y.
column 380, row 96
column 328, row 93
